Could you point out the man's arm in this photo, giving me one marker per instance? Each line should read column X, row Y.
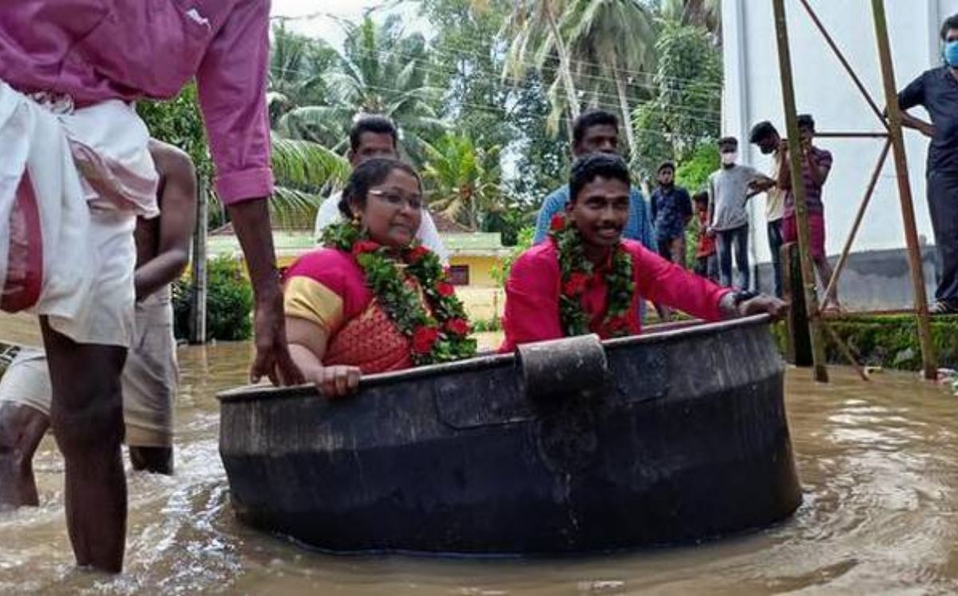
column 231, row 81
column 177, row 220
column 817, row 169
column 911, row 96
column 532, row 303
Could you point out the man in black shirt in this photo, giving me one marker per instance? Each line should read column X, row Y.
column 937, row 91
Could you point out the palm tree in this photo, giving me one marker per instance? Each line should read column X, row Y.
column 593, row 41
column 297, row 66
column 304, row 173
column 462, row 181
column 610, row 40
column 536, row 38
column 381, row 70
column 697, row 13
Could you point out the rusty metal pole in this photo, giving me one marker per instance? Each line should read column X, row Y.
column 928, row 357
column 798, row 190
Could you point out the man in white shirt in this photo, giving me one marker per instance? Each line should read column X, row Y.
column 374, row 136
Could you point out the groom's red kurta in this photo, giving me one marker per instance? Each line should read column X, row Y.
column 532, row 293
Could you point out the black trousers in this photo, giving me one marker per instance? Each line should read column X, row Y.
column 943, row 207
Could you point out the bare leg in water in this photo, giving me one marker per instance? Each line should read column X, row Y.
column 21, row 430
column 87, row 417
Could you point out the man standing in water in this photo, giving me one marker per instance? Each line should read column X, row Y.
column 150, row 374
column 937, row 91
column 75, row 155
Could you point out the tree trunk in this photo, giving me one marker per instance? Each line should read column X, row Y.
column 565, row 68
column 624, row 106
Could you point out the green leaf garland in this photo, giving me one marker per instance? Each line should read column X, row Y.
column 576, row 273
column 439, row 335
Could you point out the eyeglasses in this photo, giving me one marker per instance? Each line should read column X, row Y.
column 396, row 200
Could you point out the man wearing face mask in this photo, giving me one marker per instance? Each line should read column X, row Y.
column 937, row 91
column 728, row 190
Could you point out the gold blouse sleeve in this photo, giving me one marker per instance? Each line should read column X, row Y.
column 306, row 298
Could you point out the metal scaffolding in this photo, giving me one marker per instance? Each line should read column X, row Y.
column 894, row 143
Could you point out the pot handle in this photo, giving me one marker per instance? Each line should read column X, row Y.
column 558, row 369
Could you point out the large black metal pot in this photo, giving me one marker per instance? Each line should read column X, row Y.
column 568, row 446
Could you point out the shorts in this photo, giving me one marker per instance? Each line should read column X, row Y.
column 816, row 231
column 149, row 377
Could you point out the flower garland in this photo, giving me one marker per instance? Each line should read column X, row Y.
column 443, row 335
column 577, row 273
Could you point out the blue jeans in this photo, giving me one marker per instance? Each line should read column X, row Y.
column 775, row 242
column 726, row 241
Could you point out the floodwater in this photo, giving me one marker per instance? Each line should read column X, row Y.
column 878, row 462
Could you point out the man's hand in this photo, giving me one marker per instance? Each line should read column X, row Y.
column 763, row 304
column 272, row 351
column 251, row 222
column 710, row 231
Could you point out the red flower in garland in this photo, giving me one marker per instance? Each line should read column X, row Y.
column 413, row 256
column 576, row 284
column 557, row 223
column 445, row 289
column 423, row 339
column 619, row 323
column 364, row 246
column 458, row 327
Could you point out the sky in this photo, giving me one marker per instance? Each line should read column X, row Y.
column 318, row 18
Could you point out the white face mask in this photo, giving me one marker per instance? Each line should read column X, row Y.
column 729, row 158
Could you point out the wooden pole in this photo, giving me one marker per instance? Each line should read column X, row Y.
column 198, row 304
column 928, row 357
column 798, row 191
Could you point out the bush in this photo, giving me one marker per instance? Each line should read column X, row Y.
column 229, row 302
column 888, row 341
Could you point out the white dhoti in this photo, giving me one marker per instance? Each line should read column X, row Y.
column 149, row 378
column 72, row 183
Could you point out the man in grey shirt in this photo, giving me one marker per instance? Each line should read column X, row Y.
column 728, row 190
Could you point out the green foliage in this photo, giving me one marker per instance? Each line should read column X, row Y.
column 381, row 70
column 462, row 181
column 888, row 341
column 297, row 65
column 178, row 122
column 523, row 243
column 693, row 173
column 686, row 107
column 487, row 325
column 542, row 157
column 229, row 302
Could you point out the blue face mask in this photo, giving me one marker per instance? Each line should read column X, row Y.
column 951, row 54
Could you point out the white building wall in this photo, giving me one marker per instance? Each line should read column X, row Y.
column 752, row 93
